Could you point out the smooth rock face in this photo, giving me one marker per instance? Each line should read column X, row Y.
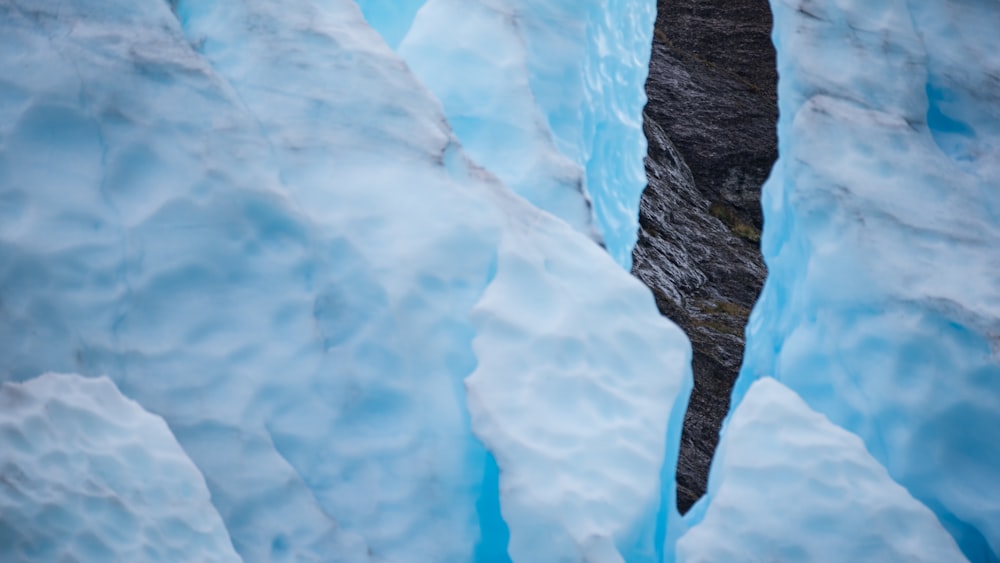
column 88, row 475
column 788, row 485
column 710, row 123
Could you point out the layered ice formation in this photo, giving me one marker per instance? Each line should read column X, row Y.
column 88, row 475
column 882, row 306
column 787, row 485
column 258, row 223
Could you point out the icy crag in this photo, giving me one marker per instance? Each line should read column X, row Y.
column 882, row 308
column 788, row 485
column 262, row 228
column 88, row 475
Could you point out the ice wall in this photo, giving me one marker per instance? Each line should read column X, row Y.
column 391, row 18
column 882, row 308
column 480, row 73
column 548, row 96
column 257, row 222
column 555, row 405
column 88, row 475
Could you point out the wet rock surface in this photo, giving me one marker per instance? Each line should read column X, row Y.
column 710, row 122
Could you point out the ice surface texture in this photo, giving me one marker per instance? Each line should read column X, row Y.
column 480, row 72
column 584, row 407
column 257, row 222
column 882, row 307
column 391, row 18
column 787, row 485
column 88, row 475
column 549, row 97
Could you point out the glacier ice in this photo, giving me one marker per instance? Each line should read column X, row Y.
column 88, row 475
column 882, row 307
column 549, row 97
column 479, row 72
column 308, row 244
column 539, row 384
column 262, row 228
column 788, row 485
column 391, row 18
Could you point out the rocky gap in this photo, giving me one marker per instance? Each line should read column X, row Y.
column 711, row 125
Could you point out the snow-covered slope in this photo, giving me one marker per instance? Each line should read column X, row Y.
column 789, row 486
column 88, row 475
column 257, row 222
column 882, row 307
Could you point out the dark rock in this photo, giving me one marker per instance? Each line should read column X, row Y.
column 710, row 123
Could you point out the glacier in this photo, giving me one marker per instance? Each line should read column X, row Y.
column 391, row 18
column 88, row 475
column 549, row 97
column 350, row 254
column 257, row 221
